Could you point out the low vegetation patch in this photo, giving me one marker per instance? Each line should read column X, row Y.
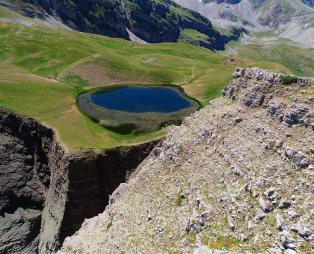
column 180, row 200
column 224, row 242
column 109, row 225
column 288, row 80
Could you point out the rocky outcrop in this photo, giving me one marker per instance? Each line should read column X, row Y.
column 46, row 191
column 235, row 177
column 255, row 95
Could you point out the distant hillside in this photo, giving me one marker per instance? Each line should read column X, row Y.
column 292, row 19
column 150, row 20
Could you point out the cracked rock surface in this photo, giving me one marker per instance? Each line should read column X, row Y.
column 235, row 177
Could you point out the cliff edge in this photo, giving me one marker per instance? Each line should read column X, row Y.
column 46, row 192
column 235, row 177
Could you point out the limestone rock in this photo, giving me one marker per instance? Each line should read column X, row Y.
column 246, row 175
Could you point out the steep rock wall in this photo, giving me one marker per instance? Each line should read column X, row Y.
column 47, row 192
column 80, row 187
column 24, row 180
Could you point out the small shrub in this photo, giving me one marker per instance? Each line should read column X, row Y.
column 288, row 80
column 179, row 200
column 271, row 221
column 109, row 225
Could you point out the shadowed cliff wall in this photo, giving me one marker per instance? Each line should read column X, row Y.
column 47, row 192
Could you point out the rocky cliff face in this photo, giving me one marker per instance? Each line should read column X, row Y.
column 149, row 20
column 237, row 175
column 45, row 191
column 24, row 180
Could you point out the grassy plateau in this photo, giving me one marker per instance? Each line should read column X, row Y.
column 42, row 70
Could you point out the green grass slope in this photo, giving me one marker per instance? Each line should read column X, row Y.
column 42, row 70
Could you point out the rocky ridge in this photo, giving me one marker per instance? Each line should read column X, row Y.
column 235, row 177
column 46, row 191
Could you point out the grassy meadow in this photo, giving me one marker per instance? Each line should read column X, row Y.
column 43, row 69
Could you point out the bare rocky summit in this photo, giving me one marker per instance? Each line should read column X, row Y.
column 235, row 177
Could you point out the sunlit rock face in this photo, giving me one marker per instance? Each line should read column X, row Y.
column 236, row 175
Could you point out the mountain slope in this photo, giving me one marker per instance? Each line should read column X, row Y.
column 151, row 20
column 50, row 66
column 236, row 177
column 290, row 18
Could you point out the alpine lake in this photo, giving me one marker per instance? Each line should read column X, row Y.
column 136, row 108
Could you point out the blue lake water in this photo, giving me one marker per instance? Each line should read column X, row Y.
column 142, row 99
